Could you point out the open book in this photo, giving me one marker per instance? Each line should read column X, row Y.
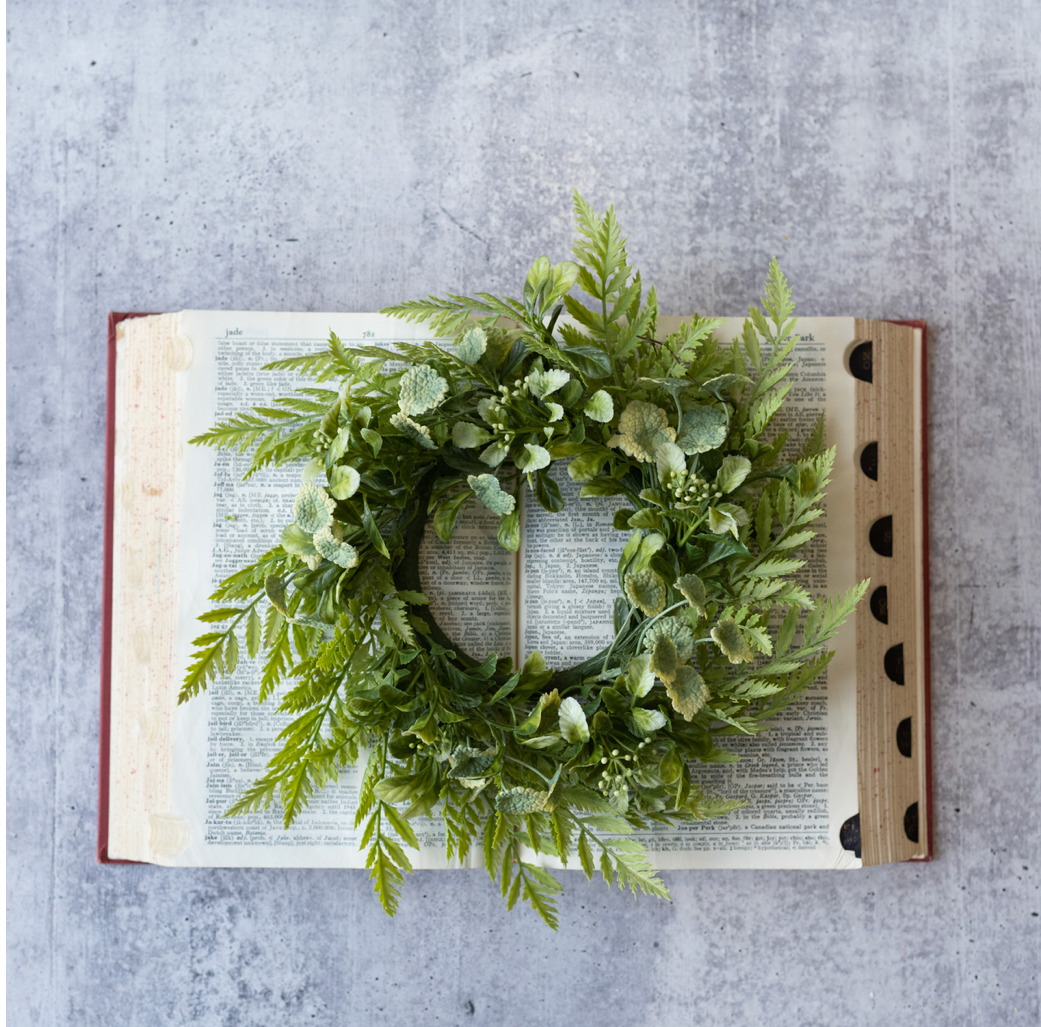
column 841, row 780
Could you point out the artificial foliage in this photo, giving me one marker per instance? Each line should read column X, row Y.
column 712, row 636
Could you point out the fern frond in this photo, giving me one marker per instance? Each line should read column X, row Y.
column 239, row 432
column 313, row 365
column 447, row 316
column 815, row 441
column 385, row 872
column 538, row 888
column 249, row 581
column 258, row 796
column 778, row 303
column 624, row 861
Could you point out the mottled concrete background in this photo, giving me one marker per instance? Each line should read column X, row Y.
column 341, row 156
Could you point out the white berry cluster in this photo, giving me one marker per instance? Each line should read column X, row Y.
column 614, row 779
column 691, row 489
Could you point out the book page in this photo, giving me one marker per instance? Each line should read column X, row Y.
column 471, row 582
column 799, row 778
column 224, row 738
column 568, row 573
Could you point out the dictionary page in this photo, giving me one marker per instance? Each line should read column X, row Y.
column 799, row 778
column 471, row 582
column 223, row 738
column 568, row 573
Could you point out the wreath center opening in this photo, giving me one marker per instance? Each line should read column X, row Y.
column 555, row 595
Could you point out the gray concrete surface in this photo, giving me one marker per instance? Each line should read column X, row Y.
column 343, row 156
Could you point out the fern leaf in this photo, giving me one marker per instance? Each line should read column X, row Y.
column 814, row 444
column 386, row 878
column 208, row 665
column 401, row 825
column 539, row 885
column 585, row 856
column 310, row 364
column 774, row 568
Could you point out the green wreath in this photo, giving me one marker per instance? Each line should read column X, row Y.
column 711, row 635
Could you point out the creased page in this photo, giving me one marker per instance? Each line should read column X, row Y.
column 223, row 739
